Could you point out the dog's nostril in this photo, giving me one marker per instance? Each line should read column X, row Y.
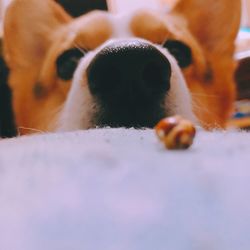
column 129, row 69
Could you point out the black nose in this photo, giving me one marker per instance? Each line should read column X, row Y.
column 129, row 71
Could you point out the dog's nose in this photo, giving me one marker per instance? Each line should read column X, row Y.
column 129, row 71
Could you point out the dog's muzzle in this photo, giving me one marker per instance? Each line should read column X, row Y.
column 129, row 80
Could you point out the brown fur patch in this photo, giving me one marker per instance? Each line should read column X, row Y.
column 147, row 25
column 97, row 29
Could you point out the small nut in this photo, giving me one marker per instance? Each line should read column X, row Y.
column 176, row 132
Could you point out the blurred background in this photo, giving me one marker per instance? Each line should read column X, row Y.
column 246, row 13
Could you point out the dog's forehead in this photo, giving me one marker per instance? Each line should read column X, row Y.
column 95, row 28
column 147, row 24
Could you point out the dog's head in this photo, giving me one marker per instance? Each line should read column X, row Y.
column 130, row 70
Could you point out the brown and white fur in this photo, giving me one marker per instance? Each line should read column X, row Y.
column 36, row 33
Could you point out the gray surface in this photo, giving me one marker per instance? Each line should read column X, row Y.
column 119, row 189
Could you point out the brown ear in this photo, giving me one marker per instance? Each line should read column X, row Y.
column 214, row 23
column 28, row 30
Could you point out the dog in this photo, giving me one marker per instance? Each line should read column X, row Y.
column 120, row 70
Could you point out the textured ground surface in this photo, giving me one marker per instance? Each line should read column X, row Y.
column 119, row 190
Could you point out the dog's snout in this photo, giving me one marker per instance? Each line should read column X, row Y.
column 129, row 71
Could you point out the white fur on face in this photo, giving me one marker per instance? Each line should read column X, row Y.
column 121, row 25
column 80, row 106
column 178, row 99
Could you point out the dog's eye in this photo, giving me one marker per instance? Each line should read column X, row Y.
column 67, row 62
column 180, row 51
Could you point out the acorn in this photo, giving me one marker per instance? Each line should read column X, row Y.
column 176, row 132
